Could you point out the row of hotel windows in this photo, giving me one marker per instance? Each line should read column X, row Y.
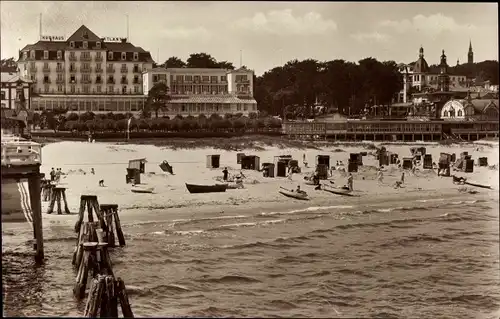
column 212, row 107
column 85, row 67
column 86, row 89
column 84, row 55
column 418, row 77
column 86, row 78
column 197, row 78
column 91, row 106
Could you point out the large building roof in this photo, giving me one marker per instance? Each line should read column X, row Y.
column 421, row 66
column 481, row 104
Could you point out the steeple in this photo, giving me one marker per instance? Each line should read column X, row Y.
column 470, row 54
column 421, row 52
column 458, row 62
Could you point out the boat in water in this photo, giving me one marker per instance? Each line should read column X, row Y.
column 293, row 194
column 142, row 189
column 198, row 189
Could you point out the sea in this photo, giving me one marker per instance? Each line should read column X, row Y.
column 421, row 259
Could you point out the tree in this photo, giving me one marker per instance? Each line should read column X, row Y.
column 72, row 117
column 174, row 62
column 201, row 60
column 225, row 65
column 8, row 65
column 158, row 97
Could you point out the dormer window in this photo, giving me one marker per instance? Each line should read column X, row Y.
column 98, row 44
column 85, row 44
column 45, row 54
column 72, row 44
column 124, row 55
column 25, row 55
column 32, row 54
column 110, row 55
column 85, row 35
column 59, row 54
column 136, row 56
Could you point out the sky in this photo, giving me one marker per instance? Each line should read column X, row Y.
column 263, row 35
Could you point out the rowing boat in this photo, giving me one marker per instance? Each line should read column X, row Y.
column 198, row 189
column 471, row 183
column 336, row 190
column 290, row 193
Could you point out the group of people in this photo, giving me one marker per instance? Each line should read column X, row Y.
column 238, row 178
column 55, row 175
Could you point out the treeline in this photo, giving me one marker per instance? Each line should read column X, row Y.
column 118, row 122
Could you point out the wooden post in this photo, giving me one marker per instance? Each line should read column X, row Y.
column 123, row 297
column 36, row 208
column 58, row 194
column 90, row 201
column 110, row 212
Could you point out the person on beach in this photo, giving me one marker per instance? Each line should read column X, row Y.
column 350, row 182
column 52, row 175
column 225, row 174
column 403, row 178
column 58, row 175
column 92, row 171
column 380, row 176
column 304, row 160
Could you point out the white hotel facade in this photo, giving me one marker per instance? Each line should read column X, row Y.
column 88, row 73
column 204, row 91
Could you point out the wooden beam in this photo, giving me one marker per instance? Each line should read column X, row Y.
column 36, row 208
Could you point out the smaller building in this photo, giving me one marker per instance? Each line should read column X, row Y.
column 15, row 91
column 468, row 109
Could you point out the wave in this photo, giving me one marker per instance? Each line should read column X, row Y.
column 306, row 210
column 282, row 304
column 196, row 220
column 231, row 279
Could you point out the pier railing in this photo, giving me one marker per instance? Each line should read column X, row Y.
column 17, row 151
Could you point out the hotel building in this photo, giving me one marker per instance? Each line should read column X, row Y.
column 196, row 91
column 85, row 73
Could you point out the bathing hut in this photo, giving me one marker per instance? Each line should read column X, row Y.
column 444, row 160
column 356, row 157
column 427, row 161
column 453, row 157
column 213, row 161
column 352, row 166
column 139, row 164
column 250, row 162
column 407, row 163
column 281, row 165
column 238, row 157
column 483, row 161
column 468, row 166
column 323, row 159
column 268, row 169
column 394, row 158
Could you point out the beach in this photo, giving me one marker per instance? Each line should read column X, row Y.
column 254, row 252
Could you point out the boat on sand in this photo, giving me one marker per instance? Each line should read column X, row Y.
column 472, row 183
column 142, row 189
column 337, row 190
column 198, row 189
column 293, row 194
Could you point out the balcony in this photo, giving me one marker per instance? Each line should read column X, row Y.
column 86, row 81
column 59, row 70
column 136, row 81
column 124, row 70
column 73, row 70
column 242, row 81
column 60, row 80
column 98, row 70
column 46, row 81
column 84, row 58
column 110, row 70
column 98, row 58
column 98, row 81
column 32, row 68
column 136, row 70
column 110, row 81
column 73, row 81
column 46, row 69
column 85, row 70
column 72, row 58
column 123, row 81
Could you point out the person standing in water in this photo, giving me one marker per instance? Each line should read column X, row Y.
column 225, row 174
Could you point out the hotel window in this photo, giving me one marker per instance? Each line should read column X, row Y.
column 45, row 65
column 72, row 78
column 32, row 54
column 59, row 54
column 86, row 89
column 110, row 89
column 98, row 54
column 25, row 55
column 46, row 88
column 98, row 66
column 72, row 44
column 98, row 79
column 136, row 89
column 188, row 78
column 72, row 67
column 59, row 88
column 98, row 46
column 72, row 89
column 72, row 55
column 98, row 88
column 85, row 44
column 124, row 56
column 223, row 78
column 155, row 78
column 136, row 56
column 110, row 55
column 59, row 77
column 178, row 78
column 196, row 78
column 45, row 54
column 205, row 78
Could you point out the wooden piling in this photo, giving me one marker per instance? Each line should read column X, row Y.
column 90, row 201
column 105, row 292
column 123, row 297
column 58, row 194
column 34, row 181
column 110, row 211
column 47, row 189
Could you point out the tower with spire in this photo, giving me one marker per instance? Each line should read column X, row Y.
column 470, row 54
column 443, row 77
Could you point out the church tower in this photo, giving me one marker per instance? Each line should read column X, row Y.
column 443, row 77
column 470, row 55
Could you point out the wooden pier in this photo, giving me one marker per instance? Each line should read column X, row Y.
column 21, row 161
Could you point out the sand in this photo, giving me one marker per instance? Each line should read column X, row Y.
column 111, row 160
